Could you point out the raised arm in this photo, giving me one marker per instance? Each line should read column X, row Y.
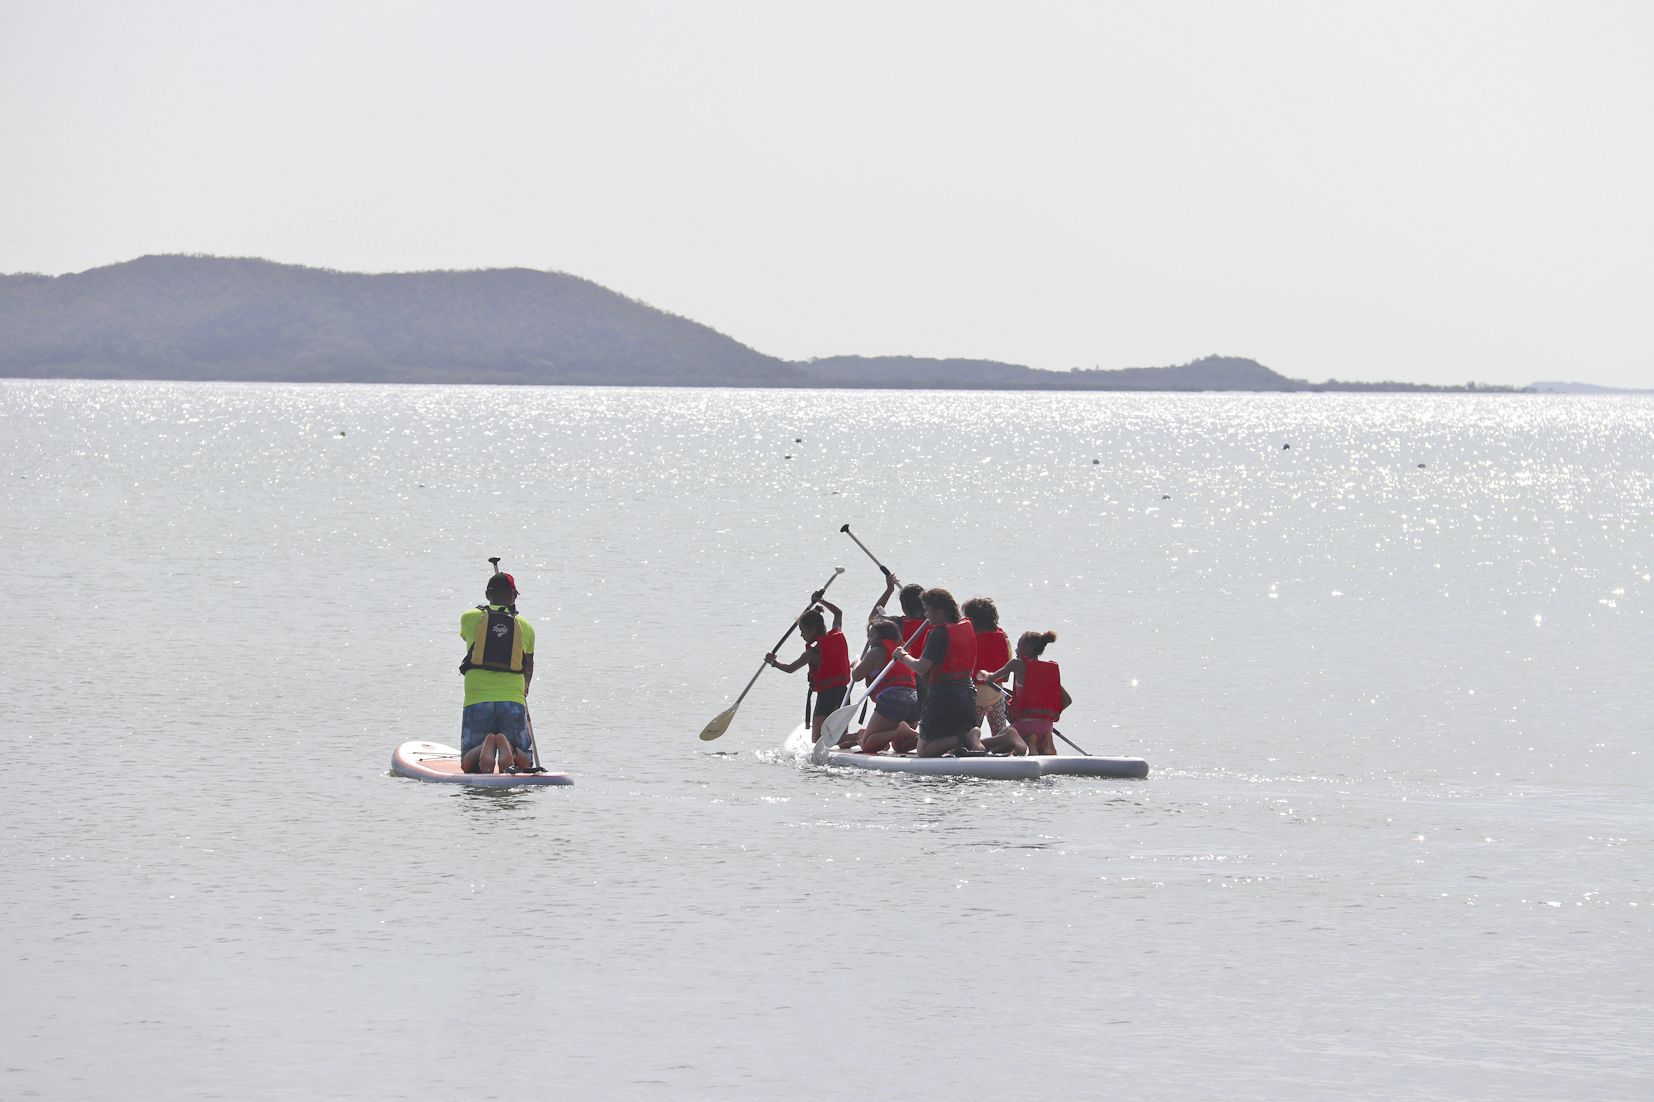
column 890, row 586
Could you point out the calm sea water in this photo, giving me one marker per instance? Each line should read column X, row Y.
column 1389, row 658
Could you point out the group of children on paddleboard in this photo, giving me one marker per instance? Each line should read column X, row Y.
column 935, row 671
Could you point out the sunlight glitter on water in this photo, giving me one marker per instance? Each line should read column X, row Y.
column 1362, row 809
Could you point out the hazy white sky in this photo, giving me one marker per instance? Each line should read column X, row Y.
column 1434, row 191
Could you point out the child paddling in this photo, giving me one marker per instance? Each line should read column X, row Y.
column 827, row 653
column 896, row 701
column 946, row 666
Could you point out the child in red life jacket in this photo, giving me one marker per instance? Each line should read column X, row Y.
column 913, row 618
column 827, row 653
column 895, row 702
column 947, row 718
column 993, row 650
column 912, row 624
column 1038, row 700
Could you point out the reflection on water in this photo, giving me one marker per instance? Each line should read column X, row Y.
column 487, row 800
column 1392, row 683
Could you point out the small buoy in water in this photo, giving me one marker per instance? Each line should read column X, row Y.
column 1165, row 497
column 1284, row 447
column 341, row 432
column 1094, row 462
column 1421, row 466
column 786, row 457
column 798, row 440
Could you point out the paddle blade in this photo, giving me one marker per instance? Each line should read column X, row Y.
column 719, row 724
column 832, row 729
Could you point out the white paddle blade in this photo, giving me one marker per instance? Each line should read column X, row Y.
column 832, row 729
column 719, row 724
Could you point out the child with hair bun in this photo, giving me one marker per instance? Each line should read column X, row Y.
column 1037, row 701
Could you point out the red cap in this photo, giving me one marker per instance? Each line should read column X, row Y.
column 506, row 578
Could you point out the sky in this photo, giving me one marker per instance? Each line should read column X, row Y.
column 1437, row 191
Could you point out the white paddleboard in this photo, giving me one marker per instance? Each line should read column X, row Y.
column 1070, row 765
column 432, row 761
column 1002, row 767
column 992, row 767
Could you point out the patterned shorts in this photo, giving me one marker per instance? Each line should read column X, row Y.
column 504, row 717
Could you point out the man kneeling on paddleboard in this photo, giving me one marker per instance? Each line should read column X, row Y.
column 498, row 667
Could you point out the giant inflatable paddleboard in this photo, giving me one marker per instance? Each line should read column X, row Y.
column 432, row 761
column 1070, row 765
column 990, row 766
column 995, row 766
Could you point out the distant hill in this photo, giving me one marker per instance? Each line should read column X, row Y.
column 1582, row 388
column 197, row 317
column 1210, row 373
column 915, row 371
column 184, row 317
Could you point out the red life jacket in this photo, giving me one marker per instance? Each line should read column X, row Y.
column 959, row 664
column 1039, row 691
column 899, row 676
column 993, row 650
column 833, row 662
column 915, row 644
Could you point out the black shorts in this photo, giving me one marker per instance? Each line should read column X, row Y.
column 828, row 701
column 950, row 711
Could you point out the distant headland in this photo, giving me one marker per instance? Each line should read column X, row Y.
column 224, row 319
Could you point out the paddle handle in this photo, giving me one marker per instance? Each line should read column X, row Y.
column 788, row 634
column 863, row 546
column 837, row 570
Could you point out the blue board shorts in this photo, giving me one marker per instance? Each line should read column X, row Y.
column 898, row 703
column 505, row 717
